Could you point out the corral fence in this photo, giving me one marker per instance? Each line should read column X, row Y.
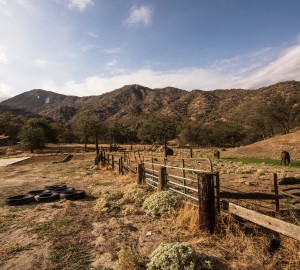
column 195, row 180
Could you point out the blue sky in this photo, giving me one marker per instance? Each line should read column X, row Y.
column 89, row 47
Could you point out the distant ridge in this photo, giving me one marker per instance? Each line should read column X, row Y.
column 131, row 103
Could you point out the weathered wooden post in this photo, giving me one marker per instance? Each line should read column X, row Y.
column 113, row 162
column 275, row 181
column 218, row 193
column 121, row 165
column 183, row 174
column 97, row 143
column 140, row 173
column 107, row 160
column 191, row 152
column 162, row 178
column 206, row 195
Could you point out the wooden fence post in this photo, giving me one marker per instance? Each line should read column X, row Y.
column 113, row 162
column 162, row 179
column 207, row 212
column 140, row 172
column 183, row 174
column 191, row 152
column 275, row 181
column 121, row 165
column 218, row 193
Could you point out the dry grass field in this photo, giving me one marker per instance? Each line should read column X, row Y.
column 110, row 228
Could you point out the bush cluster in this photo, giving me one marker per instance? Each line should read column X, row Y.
column 161, row 203
column 177, row 256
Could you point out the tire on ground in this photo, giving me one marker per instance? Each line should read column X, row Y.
column 19, row 200
column 37, row 192
column 62, row 186
column 59, row 189
column 72, row 194
column 47, row 197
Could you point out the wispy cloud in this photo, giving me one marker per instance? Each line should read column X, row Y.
column 249, row 71
column 6, row 13
column 80, row 5
column 139, row 15
column 91, row 34
column 3, row 55
column 25, row 3
column 286, row 66
column 88, row 47
column 112, row 50
column 3, row 9
column 112, row 63
column 40, row 63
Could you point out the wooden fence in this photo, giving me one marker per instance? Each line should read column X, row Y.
column 201, row 186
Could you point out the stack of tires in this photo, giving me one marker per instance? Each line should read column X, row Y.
column 48, row 194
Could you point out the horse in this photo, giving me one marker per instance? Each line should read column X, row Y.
column 217, row 154
column 285, row 158
column 169, row 151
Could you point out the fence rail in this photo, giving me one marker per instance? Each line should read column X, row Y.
column 193, row 183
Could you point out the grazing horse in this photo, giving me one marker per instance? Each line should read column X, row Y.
column 217, row 154
column 285, row 158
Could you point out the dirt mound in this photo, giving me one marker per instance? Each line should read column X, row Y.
column 270, row 148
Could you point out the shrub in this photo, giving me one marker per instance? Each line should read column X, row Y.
column 108, row 201
column 161, row 203
column 134, row 194
column 177, row 256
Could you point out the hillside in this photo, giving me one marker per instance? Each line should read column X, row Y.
column 133, row 102
column 270, row 148
column 16, row 111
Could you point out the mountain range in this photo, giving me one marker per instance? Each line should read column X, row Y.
column 135, row 102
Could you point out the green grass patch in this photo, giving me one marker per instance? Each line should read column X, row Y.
column 75, row 257
column 267, row 161
column 52, row 228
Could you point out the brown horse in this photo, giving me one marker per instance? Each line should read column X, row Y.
column 285, row 158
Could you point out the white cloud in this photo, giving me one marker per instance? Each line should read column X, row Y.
column 5, row 91
column 40, row 63
column 25, row 3
column 81, row 5
column 285, row 67
column 249, row 71
column 6, row 13
column 112, row 63
column 88, row 47
column 3, row 55
column 139, row 15
column 91, row 34
column 112, row 50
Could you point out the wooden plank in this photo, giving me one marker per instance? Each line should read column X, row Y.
column 247, row 196
column 273, row 224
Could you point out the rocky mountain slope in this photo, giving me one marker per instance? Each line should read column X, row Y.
column 133, row 102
